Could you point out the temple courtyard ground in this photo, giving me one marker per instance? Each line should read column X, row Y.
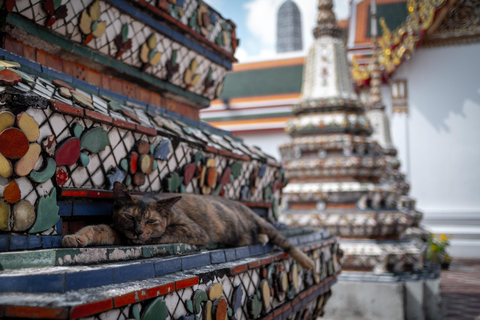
column 461, row 290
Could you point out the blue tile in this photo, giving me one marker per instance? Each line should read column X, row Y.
column 58, row 75
column 59, row 226
column 88, row 279
column 23, row 61
column 65, row 209
column 44, row 283
column 217, row 256
column 242, row 252
column 114, row 95
column 52, row 241
column 166, row 266
column 4, row 242
column 92, row 208
column 133, row 272
column 18, row 243
column 34, row 242
column 256, row 250
column 195, row 261
column 230, row 255
column 268, row 247
column 85, row 86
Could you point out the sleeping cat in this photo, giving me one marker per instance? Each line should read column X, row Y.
column 186, row 218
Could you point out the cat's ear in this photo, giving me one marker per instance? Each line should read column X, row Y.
column 166, row 205
column 120, row 193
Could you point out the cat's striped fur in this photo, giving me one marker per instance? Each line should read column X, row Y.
column 186, row 218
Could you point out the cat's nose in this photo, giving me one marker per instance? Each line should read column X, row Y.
column 138, row 232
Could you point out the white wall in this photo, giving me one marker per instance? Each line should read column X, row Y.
column 268, row 141
column 439, row 141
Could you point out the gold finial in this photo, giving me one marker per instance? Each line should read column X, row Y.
column 326, row 21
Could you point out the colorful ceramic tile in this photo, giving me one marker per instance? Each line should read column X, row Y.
column 77, row 130
column 162, row 150
column 237, row 298
column 157, row 310
column 46, row 174
column 132, row 161
column 61, row 84
column 116, row 175
column 294, row 276
column 27, row 162
column 95, row 140
column 220, row 309
column 131, row 115
column 211, row 178
column 23, row 214
column 61, row 177
column 13, row 143
column 49, row 144
column 138, row 179
column 236, row 169
column 9, row 64
column 142, row 147
column 199, row 297
column 265, row 289
column 124, row 164
column 9, row 77
column 225, row 179
column 6, row 168
column 254, row 305
column 12, row 193
column 215, row 291
column 189, row 306
column 207, row 311
column 84, row 159
column 7, row 119
column 189, row 172
column 68, row 152
column 114, row 106
column 5, row 216
column 173, row 182
column 47, row 213
column 144, row 163
column 80, row 99
column 283, row 282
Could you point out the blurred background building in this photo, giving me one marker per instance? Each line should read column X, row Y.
column 431, row 90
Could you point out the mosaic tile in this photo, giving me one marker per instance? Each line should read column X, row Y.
column 23, row 214
column 13, row 143
column 68, row 152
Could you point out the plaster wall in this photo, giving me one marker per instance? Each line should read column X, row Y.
column 269, row 142
column 438, row 141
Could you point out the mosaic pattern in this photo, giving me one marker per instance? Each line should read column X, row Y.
column 108, row 23
column 141, row 147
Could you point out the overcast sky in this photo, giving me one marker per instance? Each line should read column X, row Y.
column 256, row 22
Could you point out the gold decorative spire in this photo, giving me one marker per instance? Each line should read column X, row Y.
column 326, row 21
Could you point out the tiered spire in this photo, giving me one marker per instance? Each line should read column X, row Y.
column 341, row 178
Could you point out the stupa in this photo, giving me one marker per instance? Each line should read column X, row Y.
column 341, row 164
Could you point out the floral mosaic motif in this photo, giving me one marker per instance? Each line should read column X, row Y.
column 172, row 65
column 90, row 23
column 55, row 10
column 191, row 78
column 148, row 53
column 122, row 41
column 175, row 8
column 136, row 166
column 208, row 82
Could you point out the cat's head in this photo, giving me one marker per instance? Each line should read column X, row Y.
column 136, row 218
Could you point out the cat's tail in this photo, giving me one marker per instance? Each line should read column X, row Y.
column 277, row 239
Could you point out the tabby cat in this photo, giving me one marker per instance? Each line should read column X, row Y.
column 186, row 218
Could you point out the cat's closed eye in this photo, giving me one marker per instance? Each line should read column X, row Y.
column 152, row 221
column 129, row 217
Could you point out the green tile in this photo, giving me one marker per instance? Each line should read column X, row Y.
column 23, row 24
column 28, row 259
column 101, row 59
column 82, row 51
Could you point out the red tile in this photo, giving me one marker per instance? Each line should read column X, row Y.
column 116, row 85
column 277, row 312
column 212, row 149
column 239, row 269
column 254, row 264
column 145, row 95
column 130, row 298
column 123, row 124
column 65, row 108
column 98, row 116
column 155, row 99
column 186, row 283
column 74, row 193
column 67, row 67
column 105, row 82
column 269, row 317
column 60, row 83
column 99, row 194
column 158, row 291
column 146, row 130
column 129, row 89
column 29, row 52
column 79, row 71
column 94, row 77
column 35, row 312
column 91, row 308
column 53, row 62
column 41, row 57
column 286, row 306
column 266, row 261
column 13, row 46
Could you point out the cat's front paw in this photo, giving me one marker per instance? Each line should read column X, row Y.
column 74, row 241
